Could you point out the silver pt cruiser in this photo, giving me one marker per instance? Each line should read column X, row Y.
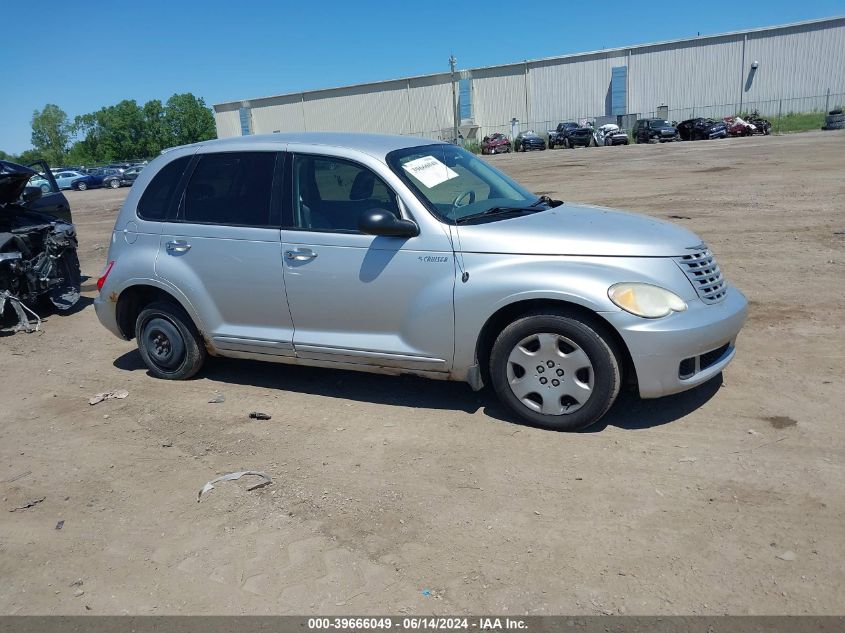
column 399, row 255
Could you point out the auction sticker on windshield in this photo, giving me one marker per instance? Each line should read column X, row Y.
column 429, row 171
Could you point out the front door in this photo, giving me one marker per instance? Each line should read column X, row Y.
column 223, row 251
column 358, row 298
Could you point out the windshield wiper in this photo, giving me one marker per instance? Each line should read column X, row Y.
column 496, row 211
column 547, row 200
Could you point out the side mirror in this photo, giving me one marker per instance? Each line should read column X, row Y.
column 381, row 222
column 30, row 194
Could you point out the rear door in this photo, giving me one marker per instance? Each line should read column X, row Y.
column 223, row 251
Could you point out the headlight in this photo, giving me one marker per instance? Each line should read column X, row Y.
column 645, row 300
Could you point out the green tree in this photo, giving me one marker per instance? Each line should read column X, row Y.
column 112, row 133
column 30, row 156
column 6, row 156
column 157, row 134
column 51, row 131
column 188, row 119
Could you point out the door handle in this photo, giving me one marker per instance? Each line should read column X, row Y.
column 300, row 255
column 178, row 246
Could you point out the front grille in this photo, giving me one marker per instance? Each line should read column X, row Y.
column 711, row 358
column 704, row 274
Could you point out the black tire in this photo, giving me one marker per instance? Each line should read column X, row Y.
column 169, row 342
column 81, row 186
column 114, row 184
column 606, row 376
column 567, row 144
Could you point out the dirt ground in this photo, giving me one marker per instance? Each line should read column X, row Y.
column 400, row 495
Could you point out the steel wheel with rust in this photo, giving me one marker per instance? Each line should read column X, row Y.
column 168, row 341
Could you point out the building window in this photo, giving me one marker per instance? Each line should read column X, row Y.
column 246, row 121
column 465, row 98
column 618, row 90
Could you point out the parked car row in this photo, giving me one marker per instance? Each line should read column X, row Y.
column 113, row 176
column 570, row 134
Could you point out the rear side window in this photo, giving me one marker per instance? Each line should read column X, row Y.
column 158, row 195
column 232, row 188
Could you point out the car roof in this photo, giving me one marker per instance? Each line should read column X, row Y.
column 377, row 145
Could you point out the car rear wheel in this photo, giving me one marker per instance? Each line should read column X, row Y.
column 81, row 186
column 168, row 341
column 114, row 184
column 554, row 371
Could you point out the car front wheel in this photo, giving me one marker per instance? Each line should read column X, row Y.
column 81, row 186
column 168, row 341
column 114, row 184
column 554, row 371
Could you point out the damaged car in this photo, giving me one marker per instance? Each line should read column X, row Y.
column 701, row 129
column 610, row 134
column 38, row 260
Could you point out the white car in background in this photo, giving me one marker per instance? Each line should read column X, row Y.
column 65, row 178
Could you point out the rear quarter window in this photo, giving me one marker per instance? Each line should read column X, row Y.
column 158, row 196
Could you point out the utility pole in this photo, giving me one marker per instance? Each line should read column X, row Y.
column 452, row 62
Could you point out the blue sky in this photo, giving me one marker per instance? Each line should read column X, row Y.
column 85, row 55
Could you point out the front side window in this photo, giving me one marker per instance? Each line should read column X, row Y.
column 157, row 197
column 330, row 194
column 659, row 124
column 454, row 184
column 230, row 188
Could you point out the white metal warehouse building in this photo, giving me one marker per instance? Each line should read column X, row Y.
column 789, row 68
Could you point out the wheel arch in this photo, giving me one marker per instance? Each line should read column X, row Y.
column 134, row 298
column 509, row 313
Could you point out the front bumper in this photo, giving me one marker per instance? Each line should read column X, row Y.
column 685, row 349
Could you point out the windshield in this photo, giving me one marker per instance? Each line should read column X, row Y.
column 659, row 124
column 453, row 183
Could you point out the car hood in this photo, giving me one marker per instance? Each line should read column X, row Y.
column 13, row 179
column 583, row 230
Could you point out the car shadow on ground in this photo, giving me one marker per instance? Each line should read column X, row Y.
column 633, row 413
column 630, row 412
